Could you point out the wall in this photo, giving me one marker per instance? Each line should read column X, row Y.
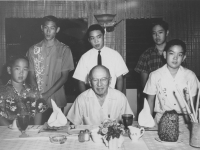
column 182, row 16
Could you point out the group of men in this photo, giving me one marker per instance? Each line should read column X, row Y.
column 102, row 69
column 50, row 64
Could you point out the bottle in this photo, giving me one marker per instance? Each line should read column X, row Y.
column 81, row 136
column 87, row 135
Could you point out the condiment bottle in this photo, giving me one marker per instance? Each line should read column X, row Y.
column 81, row 136
column 87, row 135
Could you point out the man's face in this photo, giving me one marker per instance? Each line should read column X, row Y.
column 175, row 57
column 159, row 35
column 100, row 81
column 96, row 39
column 49, row 30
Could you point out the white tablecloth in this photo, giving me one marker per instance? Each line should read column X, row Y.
column 9, row 140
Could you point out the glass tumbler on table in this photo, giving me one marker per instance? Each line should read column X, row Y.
column 23, row 122
column 127, row 121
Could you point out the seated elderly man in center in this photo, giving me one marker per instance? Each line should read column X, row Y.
column 100, row 102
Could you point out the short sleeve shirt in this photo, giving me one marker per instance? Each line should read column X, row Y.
column 169, row 91
column 13, row 102
column 48, row 63
column 149, row 61
column 87, row 110
column 110, row 58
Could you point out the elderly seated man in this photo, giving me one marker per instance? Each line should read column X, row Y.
column 100, row 102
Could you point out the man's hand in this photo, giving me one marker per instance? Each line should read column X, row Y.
column 45, row 96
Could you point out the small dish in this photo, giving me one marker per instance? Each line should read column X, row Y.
column 58, row 139
column 164, row 142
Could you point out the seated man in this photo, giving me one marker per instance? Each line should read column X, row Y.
column 100, row 102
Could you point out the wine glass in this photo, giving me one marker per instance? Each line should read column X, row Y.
column 23, row 122
column 127, row 121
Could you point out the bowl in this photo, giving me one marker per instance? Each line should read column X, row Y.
column 104, row 18
column 58, row 139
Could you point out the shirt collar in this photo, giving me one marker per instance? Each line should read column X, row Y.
column 96, row 50
column 54, row 44
column 180, row 70
column 156, row 50
column 110, row 95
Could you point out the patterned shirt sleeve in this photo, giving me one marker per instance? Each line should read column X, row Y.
column 142, row 65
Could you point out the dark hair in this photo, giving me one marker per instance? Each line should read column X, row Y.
column 50, row 18
column 175, row 42
column 161, row 23
column 13, row 59
column 94, row 27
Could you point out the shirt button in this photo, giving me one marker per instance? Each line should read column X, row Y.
column 174, row 104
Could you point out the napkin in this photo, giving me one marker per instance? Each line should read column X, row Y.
column 145, row 118
column 13, row 126
column 57, row 118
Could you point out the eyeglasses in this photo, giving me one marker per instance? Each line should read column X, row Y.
column 102, row 80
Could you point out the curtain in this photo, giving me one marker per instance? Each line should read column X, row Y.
column 64, row 9
column 182, row 16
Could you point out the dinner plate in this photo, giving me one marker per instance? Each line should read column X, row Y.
column 164, row 142
column 47, row 128
column 74, row 131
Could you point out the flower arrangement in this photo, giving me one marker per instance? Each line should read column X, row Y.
column 111, row 129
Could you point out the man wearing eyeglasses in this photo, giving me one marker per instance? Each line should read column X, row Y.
column 100, row 102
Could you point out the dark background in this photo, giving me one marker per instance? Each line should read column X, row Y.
column 22, row 33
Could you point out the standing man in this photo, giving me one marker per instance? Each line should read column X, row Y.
column 152, row 58
column 50, row 64
column 100, row 55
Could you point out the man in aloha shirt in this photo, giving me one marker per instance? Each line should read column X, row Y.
column 50, row 62
column 13, row 103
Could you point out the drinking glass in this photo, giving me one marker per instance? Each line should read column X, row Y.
column 127, row 120
column 23, row 122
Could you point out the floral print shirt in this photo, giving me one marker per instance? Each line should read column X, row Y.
column 13, row 103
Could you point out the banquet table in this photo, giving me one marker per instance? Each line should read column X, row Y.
column 9, row 140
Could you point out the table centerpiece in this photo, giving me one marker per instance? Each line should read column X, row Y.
column 112, row 131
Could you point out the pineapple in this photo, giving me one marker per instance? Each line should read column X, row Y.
column 168, row 127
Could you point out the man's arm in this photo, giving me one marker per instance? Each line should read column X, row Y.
column 120, row 83
column 143, row 77
column 82, row 87
column 151, row 101
column 32, row 79
column 57, row 85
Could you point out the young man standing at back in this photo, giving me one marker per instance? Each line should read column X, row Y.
column 50, row 64
column 152, row 58
column 100, row 55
